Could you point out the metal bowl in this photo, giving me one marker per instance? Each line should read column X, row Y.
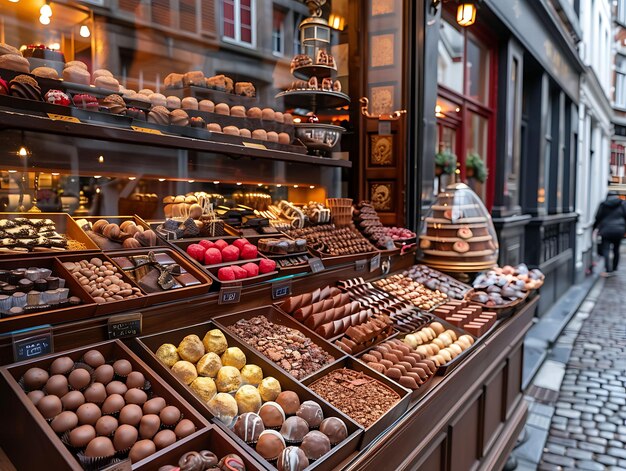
column 320, row 139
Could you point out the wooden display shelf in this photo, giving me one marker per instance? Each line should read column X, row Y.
column 10, row 119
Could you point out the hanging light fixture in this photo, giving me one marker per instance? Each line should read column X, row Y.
column 84, row 31
column 466, row 12
column 44, row 20
column 46, row 10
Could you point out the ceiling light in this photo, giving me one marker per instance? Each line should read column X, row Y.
column 44, row 20
column 161, row 179
column 466, row 12
column 259, row 184
column 12, row 171
column 295, row 186
column 238, row 183
column 312, row 187
column 132, row 178
column 216, row 182
column 97, row 176
column 278, row 186
column 45, row 10
column 23, row 152
column 190, row 181
column 54, row 46
column 14, row 1
column 84, row 31
column 101, row 159
column 55, row 174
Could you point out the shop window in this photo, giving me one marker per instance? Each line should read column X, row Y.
column 238, row 21
column 187, row 15
column 450, row 64
column 297, row 45
column 621, row 11
column 161, row 12
column 620, row 81
column 278, row 32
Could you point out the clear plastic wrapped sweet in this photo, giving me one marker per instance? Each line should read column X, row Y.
column 457, row 233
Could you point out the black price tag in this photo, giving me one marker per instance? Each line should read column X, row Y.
column 120, row 466
column 360, row 265
column 230, row 294
column 375, row 262
column 124, row 325
column 280, row 289
column 32, row 345
column 316, row 264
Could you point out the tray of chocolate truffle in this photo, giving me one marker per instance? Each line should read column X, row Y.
column 162, row 274
column 442, row 343
column 500, row 290
column 391, row 239
column 44, row 234
column 367, row 397
column 90, row 407
column 467, row 315
column 206, row 449
column 40, row 287
column 403, row 287
column 293, row 347
column 224, row 379
column 435, row 280
column 237, row 262
column 111, row 233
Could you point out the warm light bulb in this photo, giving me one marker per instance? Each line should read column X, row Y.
column 437, row 109
column 22, row 152
column 190, row 181
column 101, row 159
column 259, row 184
column 54, row 46
column 97, row 176
column 45, row 10
column 216, row 182
column 84, row 31
column 161, row 179
column 466, row 13
column 312, row 187
column 55, row 174
column 278, row 186
column 239, row 183
column 14, row 1
column 44, row 20
column 132, row 178
column 12, row 171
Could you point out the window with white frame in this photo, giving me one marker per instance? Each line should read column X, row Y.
column 296, row 33
column 621, row 11
column 238, row 22
column 620, row 81
column 278, row 32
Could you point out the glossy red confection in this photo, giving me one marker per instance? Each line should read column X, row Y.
column 4, row 87
column 86, row 101
column 267, row 266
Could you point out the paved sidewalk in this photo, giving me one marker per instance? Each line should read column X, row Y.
column 587, row 428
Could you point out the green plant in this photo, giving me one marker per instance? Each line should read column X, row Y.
column 446, row 161
column 477, row 164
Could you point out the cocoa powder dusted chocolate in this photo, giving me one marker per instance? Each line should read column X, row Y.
column 288, row 348
column 358, row 395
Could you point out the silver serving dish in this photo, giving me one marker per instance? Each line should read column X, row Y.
column 319, row 138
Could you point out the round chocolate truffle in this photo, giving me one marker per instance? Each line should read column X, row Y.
column 223, row 407
column 81, row 436
column 248, row 399
column 149, row 426
column 191, row 348
column 184, row 428
column 294, row 429
column 93, row 358
column 57, row 385
column 292, row 459
column 231, row 462
column 135, row 396
column 170, row 415
column 36, row 395
column 104, row 374
column 131, row 414
column 315, row 445
column 79, row 378
column 311, row 412
column 289, row 401
column 88, row 413
column 73, row 400
column 272, row 414
column 154, row 405
column 116, row 387
column 135, row 379
column 251, row 374
column 248, row 427
column 164, row 438
column 64, row 421
column 234, row 356
column 209, row 458
column 142, row 449
column 270, row 444
column 35, row 378
column 100, row 447
column 269, row 389
column 106, row 425
column 112, row 404
column 125, row 437
column 61, row 366
column 96, row 392
column 335, row 429
column 122, row 368
column 50, row 406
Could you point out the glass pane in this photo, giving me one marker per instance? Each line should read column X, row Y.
column 476, row 153
column 246, row 35
column 450, row 62
column 477, row 74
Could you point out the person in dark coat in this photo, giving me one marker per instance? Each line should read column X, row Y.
column 610, row 224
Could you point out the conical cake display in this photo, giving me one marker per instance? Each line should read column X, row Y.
column 457, row 233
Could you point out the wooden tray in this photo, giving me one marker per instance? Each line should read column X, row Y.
column 175, row 294
column 503, row 311
column 112, row 246
column 146, row 347
column 28, row 426
column 64, row 224
column 115, row 306
column 387, row 419
column 276, row 316
column 211, row 438
column 54, row 316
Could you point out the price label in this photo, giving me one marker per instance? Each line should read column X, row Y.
column 120, row 466
column 146, row 130
column 124, row 325
column 384, row 128
column 360, row 265
column 60, row 117
column 280, row 289
column 230, row 294
column 32, row 345
column 316, row 264
column 389, row 245
column 254, row 145
column 375, row 262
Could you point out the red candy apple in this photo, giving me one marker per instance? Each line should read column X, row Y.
column 196, row 251
column 230, row 254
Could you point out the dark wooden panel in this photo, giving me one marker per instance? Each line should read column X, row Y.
column 435, row 457
column 494, row 407
column 514, row 368
column 465, row 437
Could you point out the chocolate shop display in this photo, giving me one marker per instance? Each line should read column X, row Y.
column 128, row 234
column 405, row 288
column 367, row 221
column 332, row 241
column 468, row 316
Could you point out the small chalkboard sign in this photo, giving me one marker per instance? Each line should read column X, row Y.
column 375, row 262
column 124, row 465
column 280, row 289
column 360, row 265
column 124, row 325
column 230, row 294
column 316, row 264
column 32, row 345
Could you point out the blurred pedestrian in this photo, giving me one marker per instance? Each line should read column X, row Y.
column 610, row 225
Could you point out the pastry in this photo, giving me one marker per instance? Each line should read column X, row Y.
column 288, row 118
column 260, row 134
column 174, row 81
column 57, row 97
column 272, row 136
column 101, row 73
column 238, row 111
column 108, row 83
column 136, row 113
column 214, row 127
column 8, row 49
column 185, row 371
column 223, row 407
column 76, row 74
column 195, row 77
column 300, row 60
column 206, row 105
column 279, row 117
column 254, row 112
column 284, row 138
column 46, row 72
column 232, row 130
column 159, row 115
column 189, row 103
column 158, row 99
column 230, row 85
column 267, row 114
column 79, row 64
column 191, row 348
column 223, row 109
column 24, row 86
column 217, row 82
column 179, row 118
column 115, row 104
column 197, row 122
column 14, row 62
column 209, row 365
column 248, row 399
column 245, row 89
column 86, row 101
column 173, row 102
column 244, row 132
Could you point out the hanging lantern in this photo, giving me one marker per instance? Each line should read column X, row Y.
column 466, row 12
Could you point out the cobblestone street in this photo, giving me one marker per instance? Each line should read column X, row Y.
column 588, row 426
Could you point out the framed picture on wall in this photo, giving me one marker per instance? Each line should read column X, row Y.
column 382, row 47
column 382, row 195
column 383, row 7
column 382, row 97
column 381, row 151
